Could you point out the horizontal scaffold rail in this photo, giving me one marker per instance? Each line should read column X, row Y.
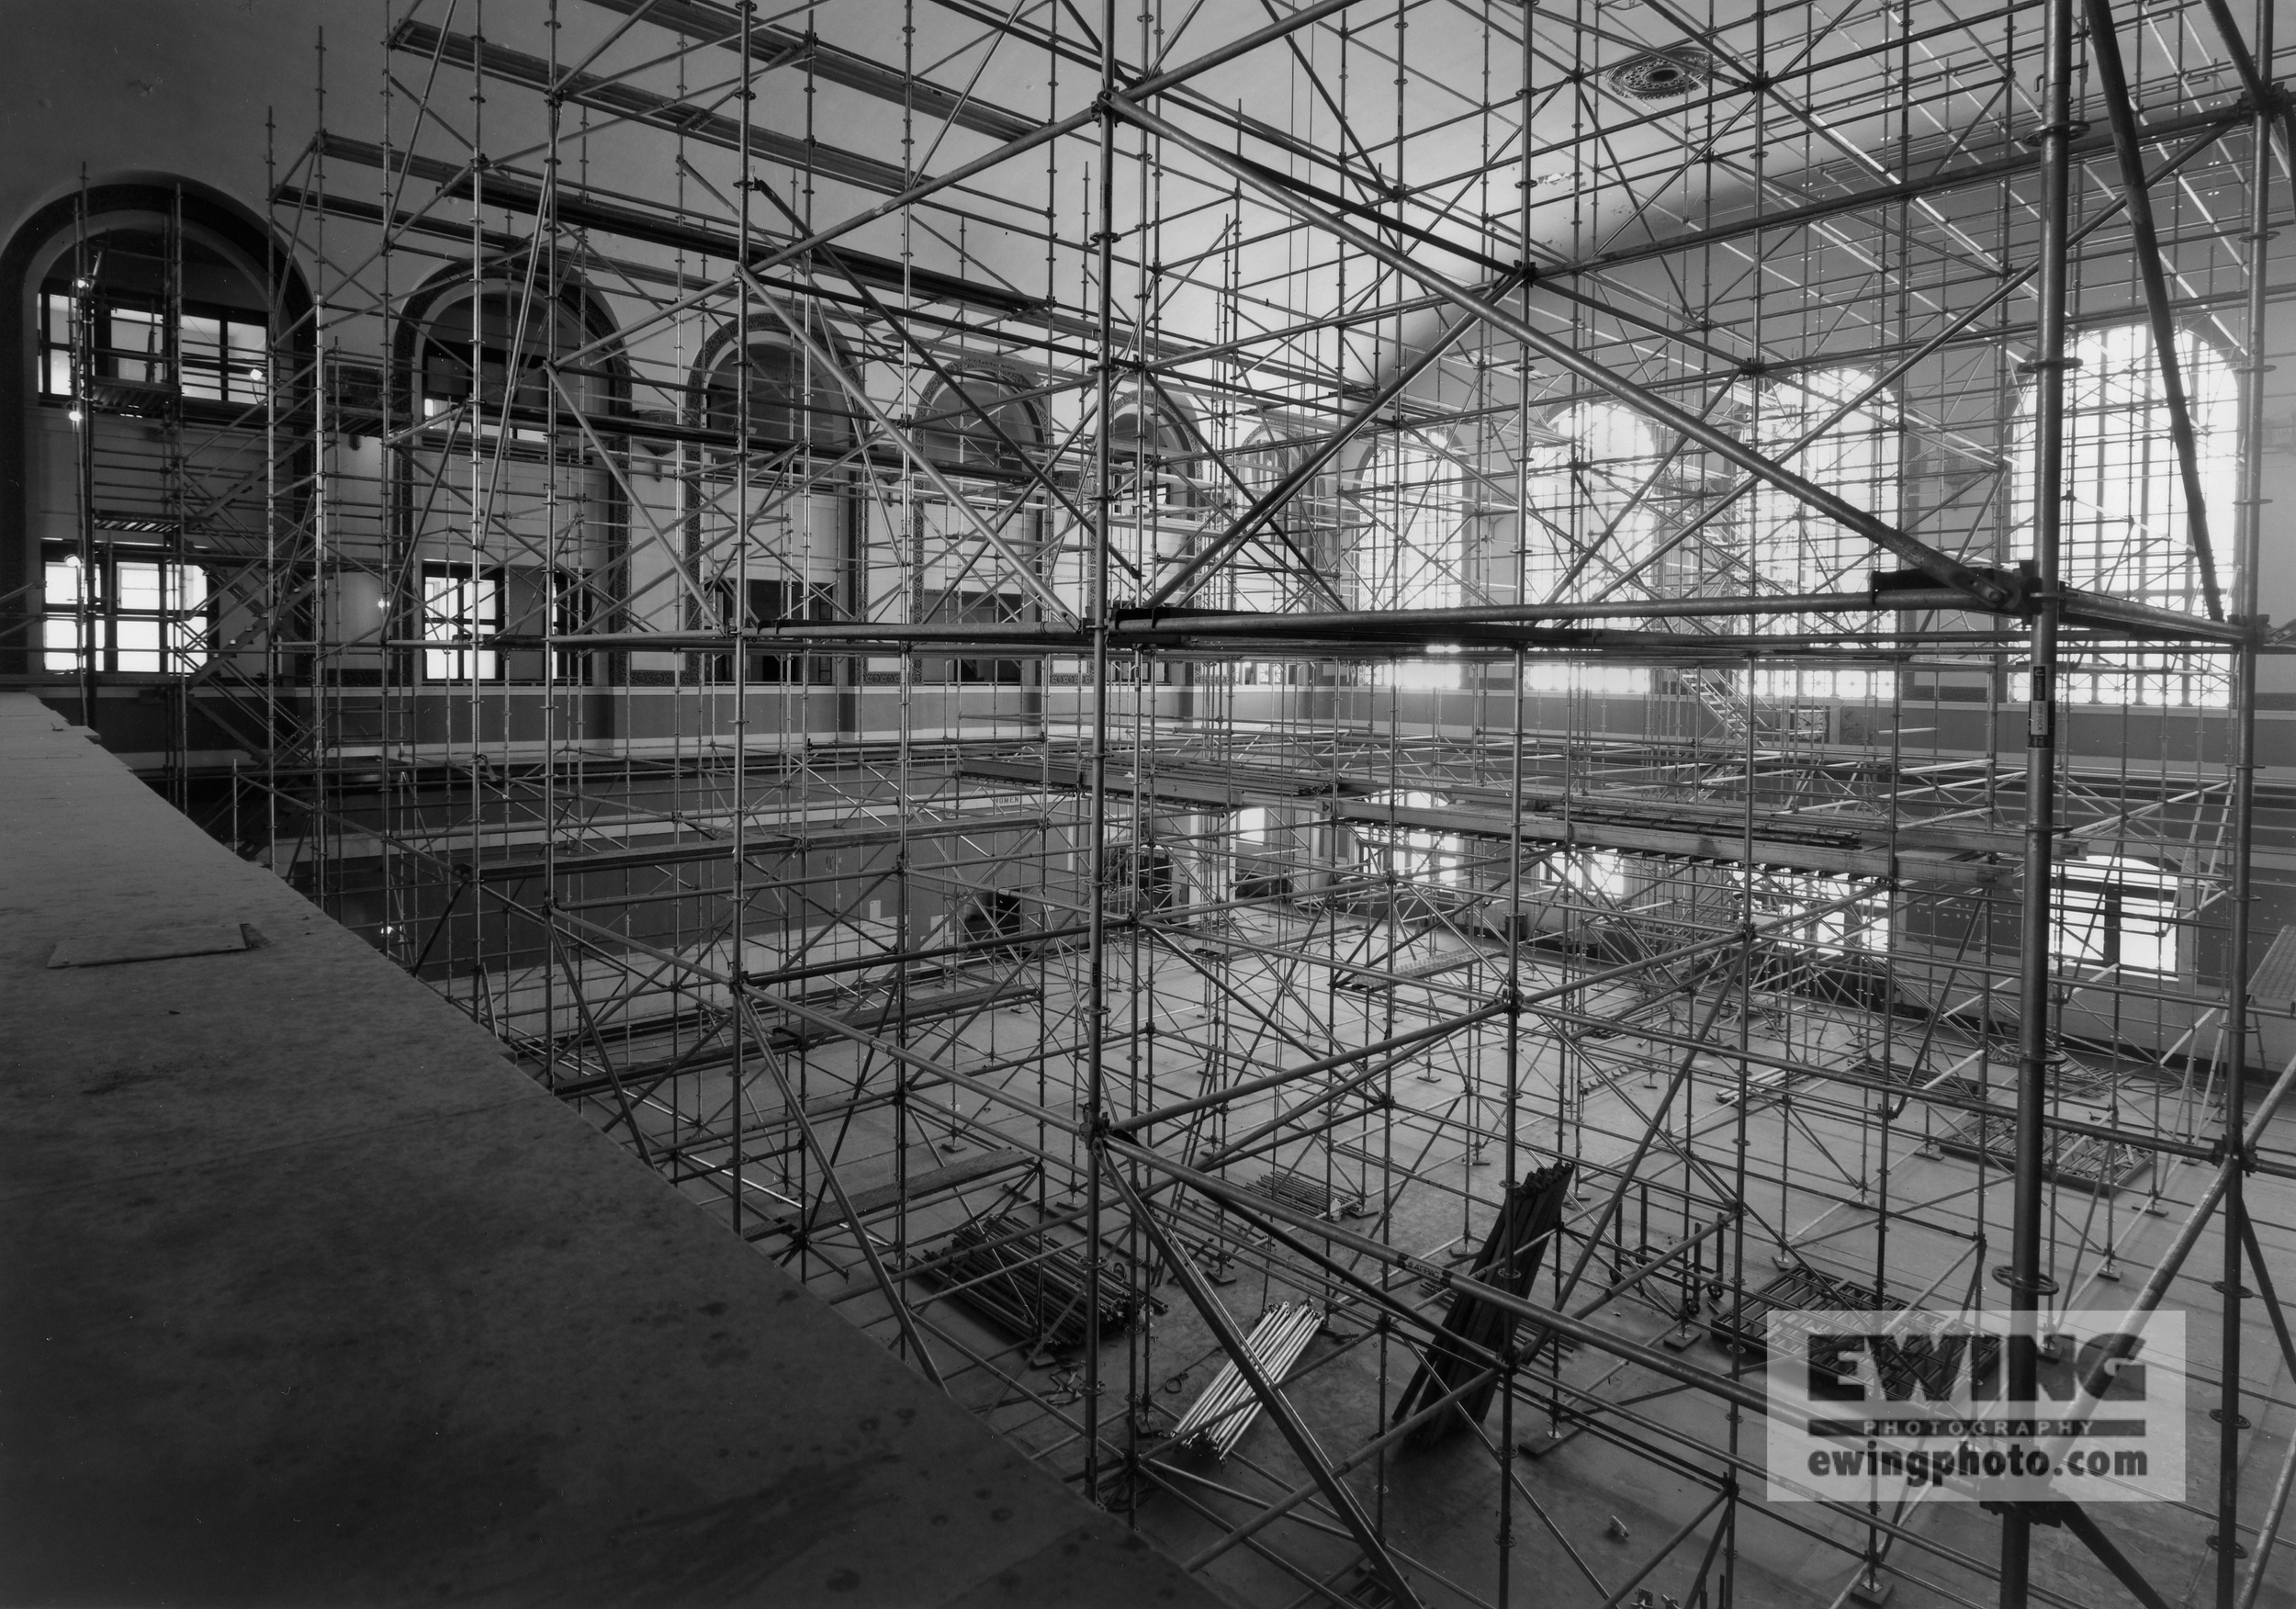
column 1367, row 632
column 576, row 861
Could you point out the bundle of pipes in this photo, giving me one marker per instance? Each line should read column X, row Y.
column 1305, row 1193
column 1218, row 1419
column 1473, row 1331
column 1744, row 1325
column 1030, row 1285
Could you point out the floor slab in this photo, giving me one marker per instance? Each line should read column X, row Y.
column 307, row 1298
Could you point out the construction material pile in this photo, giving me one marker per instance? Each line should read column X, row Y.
column 1475, row 1331
column 1744, row 1325
column 1030, row 1285
column 1218, row 1419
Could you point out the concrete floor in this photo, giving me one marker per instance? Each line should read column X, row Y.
column 1440, row 1506
column 352, row 1312
column 307, row 1298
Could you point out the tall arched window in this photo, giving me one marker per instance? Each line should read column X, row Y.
column 1793, row 548
column 1590, row 525
column 509, row 353
column 1152, row 454
column 476, row 363
column 1590, row 521
column 1272, row 571
column 790, row 403
column 1413, row 508
column 985, row 423
column 147, row 342
column 1163, row 499
column 1252, row 577
column 2126, row 531
column 1411, row 513
column 956, row 584
column 770, row 519
column 166, row 313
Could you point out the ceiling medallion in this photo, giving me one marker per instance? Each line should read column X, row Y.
column 1661, row 74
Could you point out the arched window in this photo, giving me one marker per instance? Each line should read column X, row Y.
column 1412, row 505
column 1793, row 548
column 795, row 508
column 984, row 423
column 2126, row 530
column 785, row 410
column 1590, row 524
column 477, row 359
column 1252, row 577
column 167, row 319
column 1411, row 511
column 150, row 338
column 954, row 433
column 1269, row 573
column 518, row 330
column 503, row 347
column 1152, row 455
column 1157, row 474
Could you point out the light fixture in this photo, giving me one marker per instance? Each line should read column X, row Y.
column 1661, row 74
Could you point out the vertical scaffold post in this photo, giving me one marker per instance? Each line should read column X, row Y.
column 738, row 617
column 2237, row 958
column 2023, row 1273
column 1096, row 1005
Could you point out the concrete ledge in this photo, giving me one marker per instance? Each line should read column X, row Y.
column 307, row 1297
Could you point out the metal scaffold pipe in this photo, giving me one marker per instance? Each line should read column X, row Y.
column 2036, row 927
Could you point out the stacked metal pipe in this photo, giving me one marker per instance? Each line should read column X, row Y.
column 1300, row 1191
column 1030, row 1286
column 1474, row 1330
column 1217, row 1419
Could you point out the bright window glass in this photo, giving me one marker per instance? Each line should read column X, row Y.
column 135, row 344
column 1562, row 676
column 1861, row 925
column 2114, row 912
column 458, row 606
column 1591, row 522
column 151, row 614
column 1417, row 855
column 1793, row 548
column 1599, row 872
column 2127, row 531
column 138, row 647
column 55, row 335
column 1591, row 527
column 1411, row 511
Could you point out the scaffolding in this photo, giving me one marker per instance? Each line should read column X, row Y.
column 1168, row 698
